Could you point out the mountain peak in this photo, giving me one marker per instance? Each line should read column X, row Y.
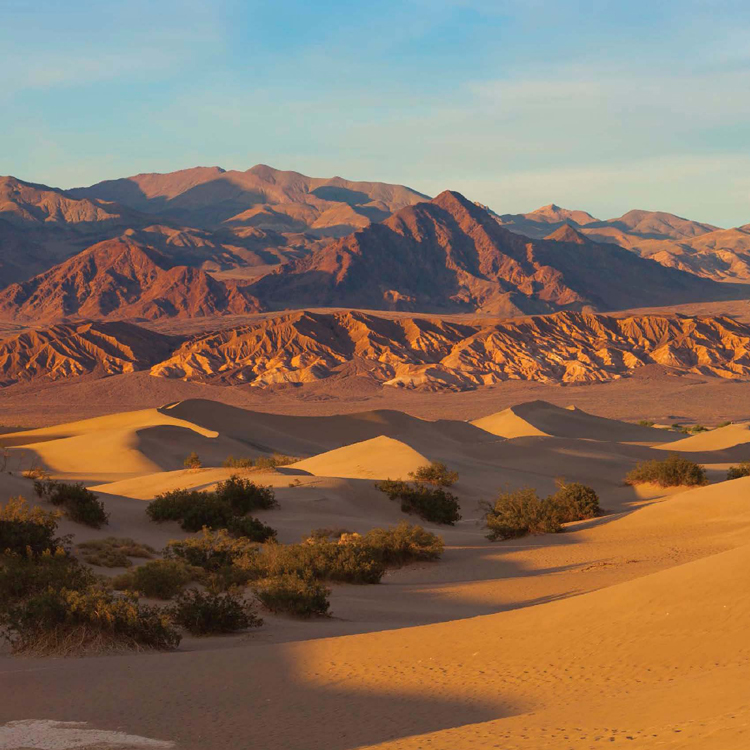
column 567, row 233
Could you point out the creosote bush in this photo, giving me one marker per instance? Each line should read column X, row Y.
column 25, row 529
column 80, row 504
column 673, row 471
column 157, row 579
column 52, row 604
column 207, row 612
column 737, row 472
column 264, row 463
column 435, row 473
column 293, row 594
column 224, row 508
column 520, row 512
column 113, row 552
column 434, row 504
column 238, row 463
column 574, row 502
column 192, row 461
column 403, row 544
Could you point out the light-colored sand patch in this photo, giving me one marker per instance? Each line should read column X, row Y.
column 48, row 734
column 378, row 458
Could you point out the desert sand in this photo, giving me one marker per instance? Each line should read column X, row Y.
column 630, row 629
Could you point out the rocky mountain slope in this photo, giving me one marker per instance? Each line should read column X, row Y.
column 674, row 242
column 260, row 197
column 67, row 351
column 421, row 352
column 119, row 279
column 450, row 255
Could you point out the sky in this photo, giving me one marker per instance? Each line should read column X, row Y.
column 603, row 105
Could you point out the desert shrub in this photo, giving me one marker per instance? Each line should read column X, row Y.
column 80, row 504
column 244, row 495
column 171, row 505
column 737, row 472
column 293, row 595
column 673, row 471
column 322, row 560
column 214, row 551
column 434, row 504
column 207, row 612
column 36, row 472
column 25, row 529
column 574, row 502
column 24, row 575
column 192, row 461
column 403, row 544
column 158, row 579
column 520, row 512
column 250, row 528
column 435, row 473
column 238, row 463
column 724, row 424
column 271, row 462
column 326, row 533
column 698, row 428
column 645, row 423
column 113, row 552
column 62, row 621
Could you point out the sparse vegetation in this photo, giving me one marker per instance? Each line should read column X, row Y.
column 574, row 502
column 332, row 532
column 157, row 579
column 402, row 544
column 238, row 463
column 225, row 508
column 52, row 604
column 293, row 595
column 192, row 461
column 434, row 504
column 113, row 552
column 435, row 473
column 80, row 504
column 264, row 463
column 673, row 471
column 25, row 530
column 207, row 612
column 519, row 512
column 646, row 423
column 737, row 472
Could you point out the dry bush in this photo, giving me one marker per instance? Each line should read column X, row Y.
column 294, row 595
column 737, row 472
column 207, row 612
column 519, row 512
column 157, row 579
column 434, row 504
column 24, row 529
column 113, row 552
column 192, row 461
column 435, row 473
column 574, row 502
column 673, row 471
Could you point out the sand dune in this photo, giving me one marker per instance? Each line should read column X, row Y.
column 377, row 458
column 714, row 440
column 543, row 418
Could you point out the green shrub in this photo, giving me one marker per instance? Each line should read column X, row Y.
column 158, row 579
column 206, row 612
column 293, row 595
column 723, row 424
column 238, row 463
column 80, row 505
column 207, row 510
column 24, row 575
column 113, row 552
column 192, row 461
column 434, row 504
column 60, row 622
column 673, row 471
column 645, row 423
column 264, row 463
column 520, row 512
column 250, row 528
column 214, row 551
column 403, row 544
column 435, row 473
column 242, row 495
column 737, row 472
column 25, row 529
column 322, row 560
column 574, row 502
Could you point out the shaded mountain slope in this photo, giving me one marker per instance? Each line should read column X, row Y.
column 452, row 255
column 119, row 279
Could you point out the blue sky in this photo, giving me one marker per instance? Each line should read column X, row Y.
column 604, row 106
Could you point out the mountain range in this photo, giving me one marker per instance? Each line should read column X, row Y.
column 410, row 351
